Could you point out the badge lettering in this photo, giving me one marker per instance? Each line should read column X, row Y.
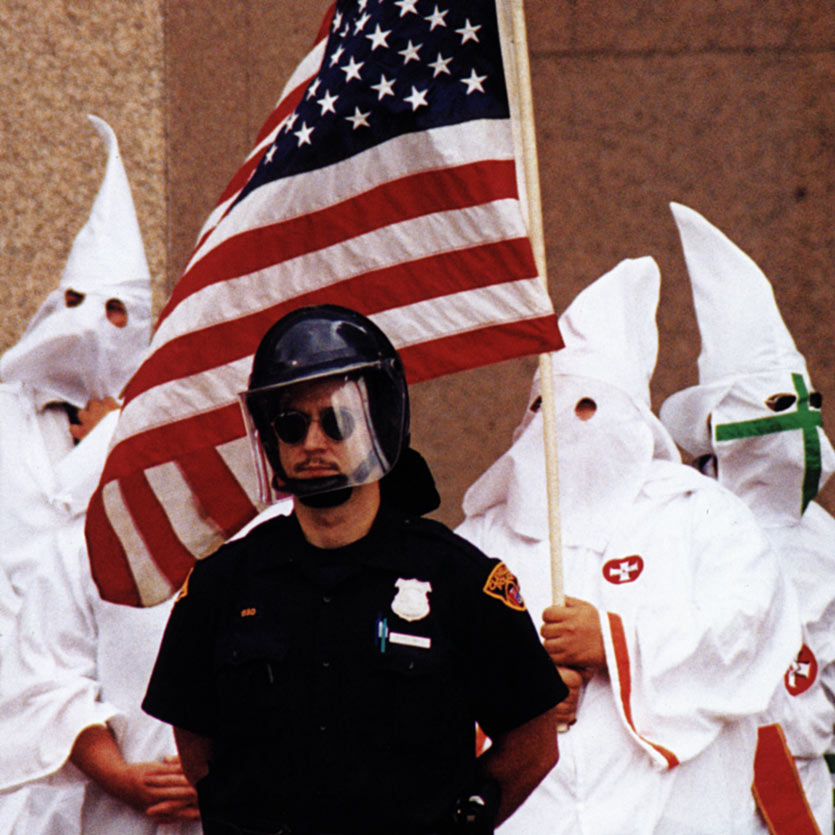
column 503, row 585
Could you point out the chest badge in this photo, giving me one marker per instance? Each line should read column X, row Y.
column 802, row 673
column 412, row 599
column 623, row 570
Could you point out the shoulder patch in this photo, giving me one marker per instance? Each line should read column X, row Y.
column 183, row 592
column 504, row 586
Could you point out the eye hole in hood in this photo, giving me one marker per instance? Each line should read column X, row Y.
column 781, row 402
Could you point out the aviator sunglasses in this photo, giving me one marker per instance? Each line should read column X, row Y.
column 292, row 426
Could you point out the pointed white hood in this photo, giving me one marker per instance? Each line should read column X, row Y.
column 611, row 345
column 75, row 353
column 754, row 408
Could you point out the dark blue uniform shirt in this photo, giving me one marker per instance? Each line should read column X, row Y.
column 341, row 687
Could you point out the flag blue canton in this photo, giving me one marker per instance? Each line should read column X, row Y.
column 391, row 67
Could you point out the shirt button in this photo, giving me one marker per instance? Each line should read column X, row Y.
column 326, row 664
column 326, row 598
column 323, row 728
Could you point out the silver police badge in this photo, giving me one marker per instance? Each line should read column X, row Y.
column 412, row 599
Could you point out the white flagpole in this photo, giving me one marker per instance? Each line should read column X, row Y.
column 518, row 78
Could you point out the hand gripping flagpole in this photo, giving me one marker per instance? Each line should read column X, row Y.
column 511, row 15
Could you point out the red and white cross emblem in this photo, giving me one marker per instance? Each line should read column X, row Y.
column 802, row 672
column 623, row 570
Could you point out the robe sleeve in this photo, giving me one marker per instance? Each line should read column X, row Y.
column 706, row 636
column 48, row 674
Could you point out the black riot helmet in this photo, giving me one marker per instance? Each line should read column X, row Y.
column 347, row 364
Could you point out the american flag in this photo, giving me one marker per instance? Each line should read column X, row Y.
column 384, row 181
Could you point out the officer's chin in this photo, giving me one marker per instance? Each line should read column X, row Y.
column 332, row 498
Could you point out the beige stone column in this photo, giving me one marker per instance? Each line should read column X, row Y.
column 58, row 62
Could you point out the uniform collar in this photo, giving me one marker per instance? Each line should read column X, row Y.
column 378, row 548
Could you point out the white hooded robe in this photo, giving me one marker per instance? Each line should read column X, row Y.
column 696, row 621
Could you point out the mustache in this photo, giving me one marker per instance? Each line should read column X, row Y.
column 316, row 463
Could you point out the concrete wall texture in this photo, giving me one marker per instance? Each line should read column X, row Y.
column 727, row 106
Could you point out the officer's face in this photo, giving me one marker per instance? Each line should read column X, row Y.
column 321, row 430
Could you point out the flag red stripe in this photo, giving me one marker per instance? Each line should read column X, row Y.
column 171, row 441
column 295, row 95
column 402, row 284
column 392, row 202
column 111, row 571
column 325, row 26
column 453, row 353
column 242, row 175
column 777, row 787
column 159, row 537
column 285, row 106
column 221, row 496
column 494, row 343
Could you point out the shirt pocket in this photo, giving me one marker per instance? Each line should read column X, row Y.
column 417, row 696
column 251, row 682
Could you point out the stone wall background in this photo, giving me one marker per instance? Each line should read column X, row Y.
column 728, row 107
column 59, row 61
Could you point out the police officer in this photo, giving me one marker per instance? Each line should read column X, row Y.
column 324, row 673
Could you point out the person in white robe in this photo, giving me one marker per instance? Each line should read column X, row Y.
column 754, row 422
column 82, row 345
column 78, row 753
column 677, row 626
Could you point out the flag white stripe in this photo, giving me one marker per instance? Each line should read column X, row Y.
column 303, row 73
column 152, row 583
column 197, row 533
column 182, row 398
column 402, row 156
column 305, row 70
column 237, row 455
column 424, row 321
column 410, row 240
column 459, row 313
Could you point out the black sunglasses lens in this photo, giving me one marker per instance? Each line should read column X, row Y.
column 337, row 424
column 291, row 427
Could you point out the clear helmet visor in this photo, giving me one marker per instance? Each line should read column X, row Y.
column 313, row 436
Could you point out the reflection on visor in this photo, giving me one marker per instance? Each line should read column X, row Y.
column 292, row 426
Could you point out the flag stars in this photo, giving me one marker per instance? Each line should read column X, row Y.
column 474, row 82
column 417, row 98
column 352, row 69
column 359, row 25
column 437, row 18
column 378, row 38
column 406, row 6
column 359, row 119
column 303, row 135
column 337, row 55
column 410, row 53
column 440, row 65
column 289, row 121
column 326, row 103
column 362, row 4
column 384, row 88
column 337, row 21
column 468, row 33
column 268, row 157
column 311, row 91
